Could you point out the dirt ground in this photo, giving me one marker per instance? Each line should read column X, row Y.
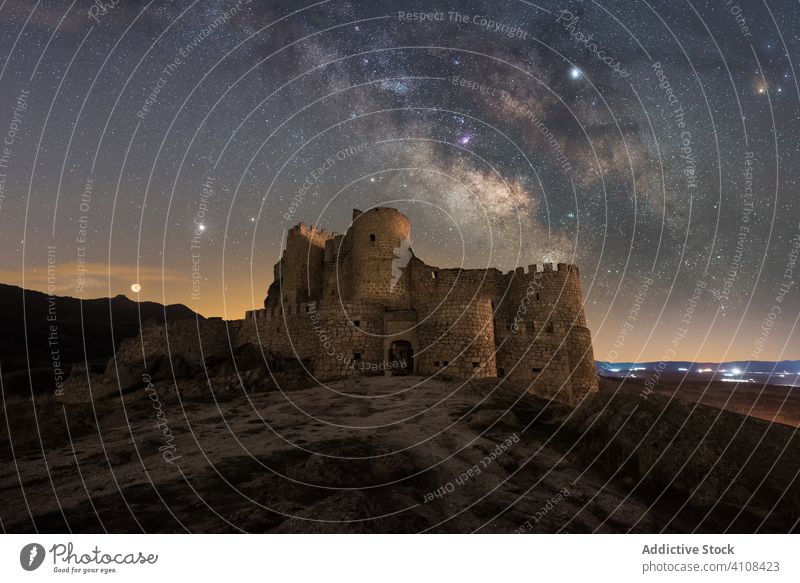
column 392, row 454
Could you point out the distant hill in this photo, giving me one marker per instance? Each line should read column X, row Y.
column 95, row 326
column 782, row 372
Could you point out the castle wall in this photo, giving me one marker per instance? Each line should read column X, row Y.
column 337, row 272
column 333, row 338
column 456, row 339
column 427, row 281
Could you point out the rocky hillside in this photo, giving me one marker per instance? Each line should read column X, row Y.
column 223, row 452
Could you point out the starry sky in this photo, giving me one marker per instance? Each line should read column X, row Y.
column 168, row 146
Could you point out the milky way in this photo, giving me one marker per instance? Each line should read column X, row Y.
column 655, row 145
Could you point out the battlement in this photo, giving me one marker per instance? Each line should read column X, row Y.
column 544, row 268
column 315, row 234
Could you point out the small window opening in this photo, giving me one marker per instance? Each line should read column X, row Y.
column 357, row 323
column 549, row 328
column 356, row 356
column 536, row 370
column 372, row 237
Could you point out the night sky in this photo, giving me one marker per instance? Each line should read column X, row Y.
column 654, row 144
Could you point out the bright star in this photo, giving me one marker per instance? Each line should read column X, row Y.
column 575, row 73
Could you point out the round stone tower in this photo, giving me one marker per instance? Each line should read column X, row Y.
column 381, row 252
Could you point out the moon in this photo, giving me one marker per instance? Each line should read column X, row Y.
column 136, row 288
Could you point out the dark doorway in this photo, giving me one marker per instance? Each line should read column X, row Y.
column 400, row 358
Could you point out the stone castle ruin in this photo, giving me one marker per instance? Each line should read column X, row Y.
column 361, row 303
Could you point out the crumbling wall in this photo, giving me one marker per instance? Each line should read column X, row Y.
column 380, row 246
column 179, row 347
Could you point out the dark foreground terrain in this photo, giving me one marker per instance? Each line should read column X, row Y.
column 773, row 403
column 397, row 454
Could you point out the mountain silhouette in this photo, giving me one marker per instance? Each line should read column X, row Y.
column 33, row 325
